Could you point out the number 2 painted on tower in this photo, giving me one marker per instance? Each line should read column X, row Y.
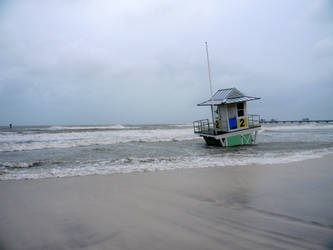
column 241, row 123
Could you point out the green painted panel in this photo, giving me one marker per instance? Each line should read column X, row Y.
column 237, row 140
column 234, row 140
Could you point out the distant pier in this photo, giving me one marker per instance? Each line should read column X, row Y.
column 297, row 121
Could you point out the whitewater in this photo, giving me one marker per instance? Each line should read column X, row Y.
column 34, row 152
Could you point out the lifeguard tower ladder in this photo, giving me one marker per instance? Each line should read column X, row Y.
column 231, row 125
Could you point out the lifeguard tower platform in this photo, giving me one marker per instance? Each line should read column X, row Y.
column 231, row 125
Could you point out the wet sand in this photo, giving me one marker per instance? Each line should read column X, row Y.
column 287, row 206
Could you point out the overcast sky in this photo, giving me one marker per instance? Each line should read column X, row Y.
column 127, row 62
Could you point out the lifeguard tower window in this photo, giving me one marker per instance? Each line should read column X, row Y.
column 216, row 112
column 240, row 109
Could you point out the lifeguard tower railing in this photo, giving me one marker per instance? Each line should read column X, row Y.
column 253, row 121
column 206, row 127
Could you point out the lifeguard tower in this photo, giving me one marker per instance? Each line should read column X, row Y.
column 231, row 124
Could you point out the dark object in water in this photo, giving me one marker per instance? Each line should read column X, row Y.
column 211, row 141
column 10, row 125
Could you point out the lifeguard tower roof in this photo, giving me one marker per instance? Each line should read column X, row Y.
column 227, row 96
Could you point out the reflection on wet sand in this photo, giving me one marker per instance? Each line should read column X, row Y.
column 249, row 207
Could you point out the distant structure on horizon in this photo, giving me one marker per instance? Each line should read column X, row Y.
column 304, row 120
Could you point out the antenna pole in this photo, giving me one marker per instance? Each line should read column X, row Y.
column 211, row 88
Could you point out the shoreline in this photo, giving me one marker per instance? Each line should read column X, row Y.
column 155, row 170
column 279, row 206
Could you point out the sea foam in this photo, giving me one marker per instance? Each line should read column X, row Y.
column 131, row 165
column 27, row 153
column 28, row 141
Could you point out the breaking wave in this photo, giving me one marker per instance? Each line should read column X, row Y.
column 148, row 164
column 28, row 141
column 12, row 165
column 118, row 126
column 25, row 152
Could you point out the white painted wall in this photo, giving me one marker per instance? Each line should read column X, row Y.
column 229, row 111
column 224, row 117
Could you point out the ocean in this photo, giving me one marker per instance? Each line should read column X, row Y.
column 34, row 152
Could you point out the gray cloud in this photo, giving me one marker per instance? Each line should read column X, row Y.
column 72, row 62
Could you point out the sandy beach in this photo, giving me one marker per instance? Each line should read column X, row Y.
column 286, row 206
